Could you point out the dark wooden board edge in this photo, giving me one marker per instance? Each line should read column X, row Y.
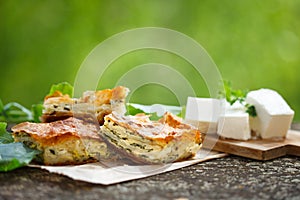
column 293, row 150
column 230, row 148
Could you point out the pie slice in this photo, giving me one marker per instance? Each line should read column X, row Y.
column 63, row 142
column 146, row 141
column 99, row 103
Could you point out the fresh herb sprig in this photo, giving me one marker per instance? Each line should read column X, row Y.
column 233, row 95
column 250, row 109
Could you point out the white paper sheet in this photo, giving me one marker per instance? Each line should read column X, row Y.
column 99, row 173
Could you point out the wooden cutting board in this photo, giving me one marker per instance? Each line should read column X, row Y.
column 262, row 149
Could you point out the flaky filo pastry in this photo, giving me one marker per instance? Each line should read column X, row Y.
column 63, row 142
column 146, row 141
column 101, row 102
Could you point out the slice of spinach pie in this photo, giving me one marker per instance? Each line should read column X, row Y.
column 63, row 142
column 99, row 103
column 146, row 141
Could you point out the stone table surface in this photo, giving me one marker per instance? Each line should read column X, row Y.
column 230, row 177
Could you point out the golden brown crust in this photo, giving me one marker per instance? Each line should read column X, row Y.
column 119, row 93
column 162, row 131
column 98, row 97
column 105, row 96
column 146, row 141
column 58, row 106
column 62, row 97
column 58, row 131
column 64, row 142
column 174, row 121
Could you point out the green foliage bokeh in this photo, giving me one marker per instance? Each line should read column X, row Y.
column 255, row 44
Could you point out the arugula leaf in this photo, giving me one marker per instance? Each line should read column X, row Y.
column 15, row 155
column 5, row 137
column 64, row 88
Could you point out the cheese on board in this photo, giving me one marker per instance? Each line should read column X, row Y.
column 204, row 113
column 234, row 124
column 274, row 116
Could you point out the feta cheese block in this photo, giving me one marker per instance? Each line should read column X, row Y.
column 204, row 113
column 234, row 124
column 274, row 116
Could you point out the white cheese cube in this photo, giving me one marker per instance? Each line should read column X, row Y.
column 274, row 116
column 234, row 124
column 204, row 113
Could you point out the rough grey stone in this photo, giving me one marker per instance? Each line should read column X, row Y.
column 225, row 178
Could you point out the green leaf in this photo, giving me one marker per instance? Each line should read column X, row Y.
column 16, row 113
column 64, row 88
column 15, row 155
column 2, row 118
column 250, row 109
column 182, row 113
column 5, row 137
column 37, row 111
column 133, row 109
column 9, row 165
column 154, row 116
column 232, row 96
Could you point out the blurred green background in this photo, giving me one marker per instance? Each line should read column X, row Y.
column 254, row 43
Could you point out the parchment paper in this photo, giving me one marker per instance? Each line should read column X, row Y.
column 100, row 173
